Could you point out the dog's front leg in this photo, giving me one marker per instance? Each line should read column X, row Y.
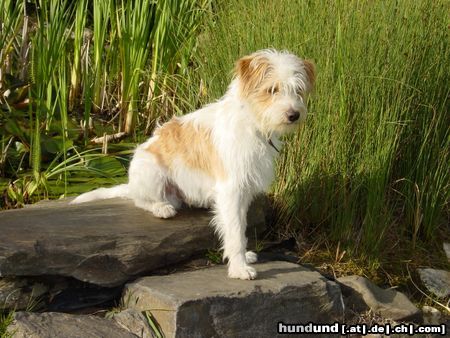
column 231, row 221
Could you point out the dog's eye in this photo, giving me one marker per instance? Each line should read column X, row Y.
column 273, row 90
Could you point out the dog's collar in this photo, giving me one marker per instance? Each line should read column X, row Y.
column 272, row 145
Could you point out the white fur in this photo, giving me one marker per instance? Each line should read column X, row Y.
column 242, row 141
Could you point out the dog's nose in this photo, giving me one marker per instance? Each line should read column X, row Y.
column 292, row 115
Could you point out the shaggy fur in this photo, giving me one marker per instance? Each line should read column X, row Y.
column 223, row 154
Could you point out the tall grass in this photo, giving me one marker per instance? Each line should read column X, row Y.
column 134, row 21
column 371, row 163
column 47, row 70
column 91, row 65
column 102, row 11
column 172, row 42
column 78, row 46
column 10, row 23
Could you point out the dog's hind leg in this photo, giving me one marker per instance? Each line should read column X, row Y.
column 159, row 209
column 148, row 184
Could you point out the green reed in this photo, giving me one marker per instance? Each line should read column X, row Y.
column 372, row 161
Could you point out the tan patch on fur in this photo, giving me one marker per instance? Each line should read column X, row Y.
column 251, row 70
column 193, row 145
column 310, row 69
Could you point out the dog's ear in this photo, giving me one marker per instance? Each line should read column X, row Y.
column 251, row 70
column 310, row 70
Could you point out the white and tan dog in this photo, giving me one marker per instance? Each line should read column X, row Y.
column 223, row 154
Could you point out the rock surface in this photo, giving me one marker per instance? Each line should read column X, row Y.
column 431, row 315
column 105, row 242
column 134, row 322
column 436, row 281
column 361, row 294
column 205, row 303
column 63, row 325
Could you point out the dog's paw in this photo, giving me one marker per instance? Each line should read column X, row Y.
column 241, row 272
column 251, row 257
column 163, row 210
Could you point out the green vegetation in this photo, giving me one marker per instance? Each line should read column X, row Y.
column 5, row 320
column 367, row 177
column 71, row 70
column 153, row 324
column 370, row 168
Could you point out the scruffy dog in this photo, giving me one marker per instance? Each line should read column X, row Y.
column 223, row 154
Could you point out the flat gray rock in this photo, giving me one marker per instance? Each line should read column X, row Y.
column 205, row 303
column 63, row 325
column 105, row 242
column 360, row 294
column 436, row 281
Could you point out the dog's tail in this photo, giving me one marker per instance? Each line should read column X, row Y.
column 102, row 194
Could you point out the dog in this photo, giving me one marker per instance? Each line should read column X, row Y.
column 223, row 154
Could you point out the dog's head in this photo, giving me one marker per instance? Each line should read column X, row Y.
column 275, row 85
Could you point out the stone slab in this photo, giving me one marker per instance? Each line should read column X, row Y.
column 205, row 303
column 104, row 242
column 360, row 294
column 63, row 325
column 436, row 281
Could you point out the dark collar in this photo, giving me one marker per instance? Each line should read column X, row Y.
column 272, row 145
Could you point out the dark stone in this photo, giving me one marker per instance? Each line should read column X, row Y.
column 105, row 242
column 79, row 298
column 205, row 303
column 360, row 294
column 55, row 325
